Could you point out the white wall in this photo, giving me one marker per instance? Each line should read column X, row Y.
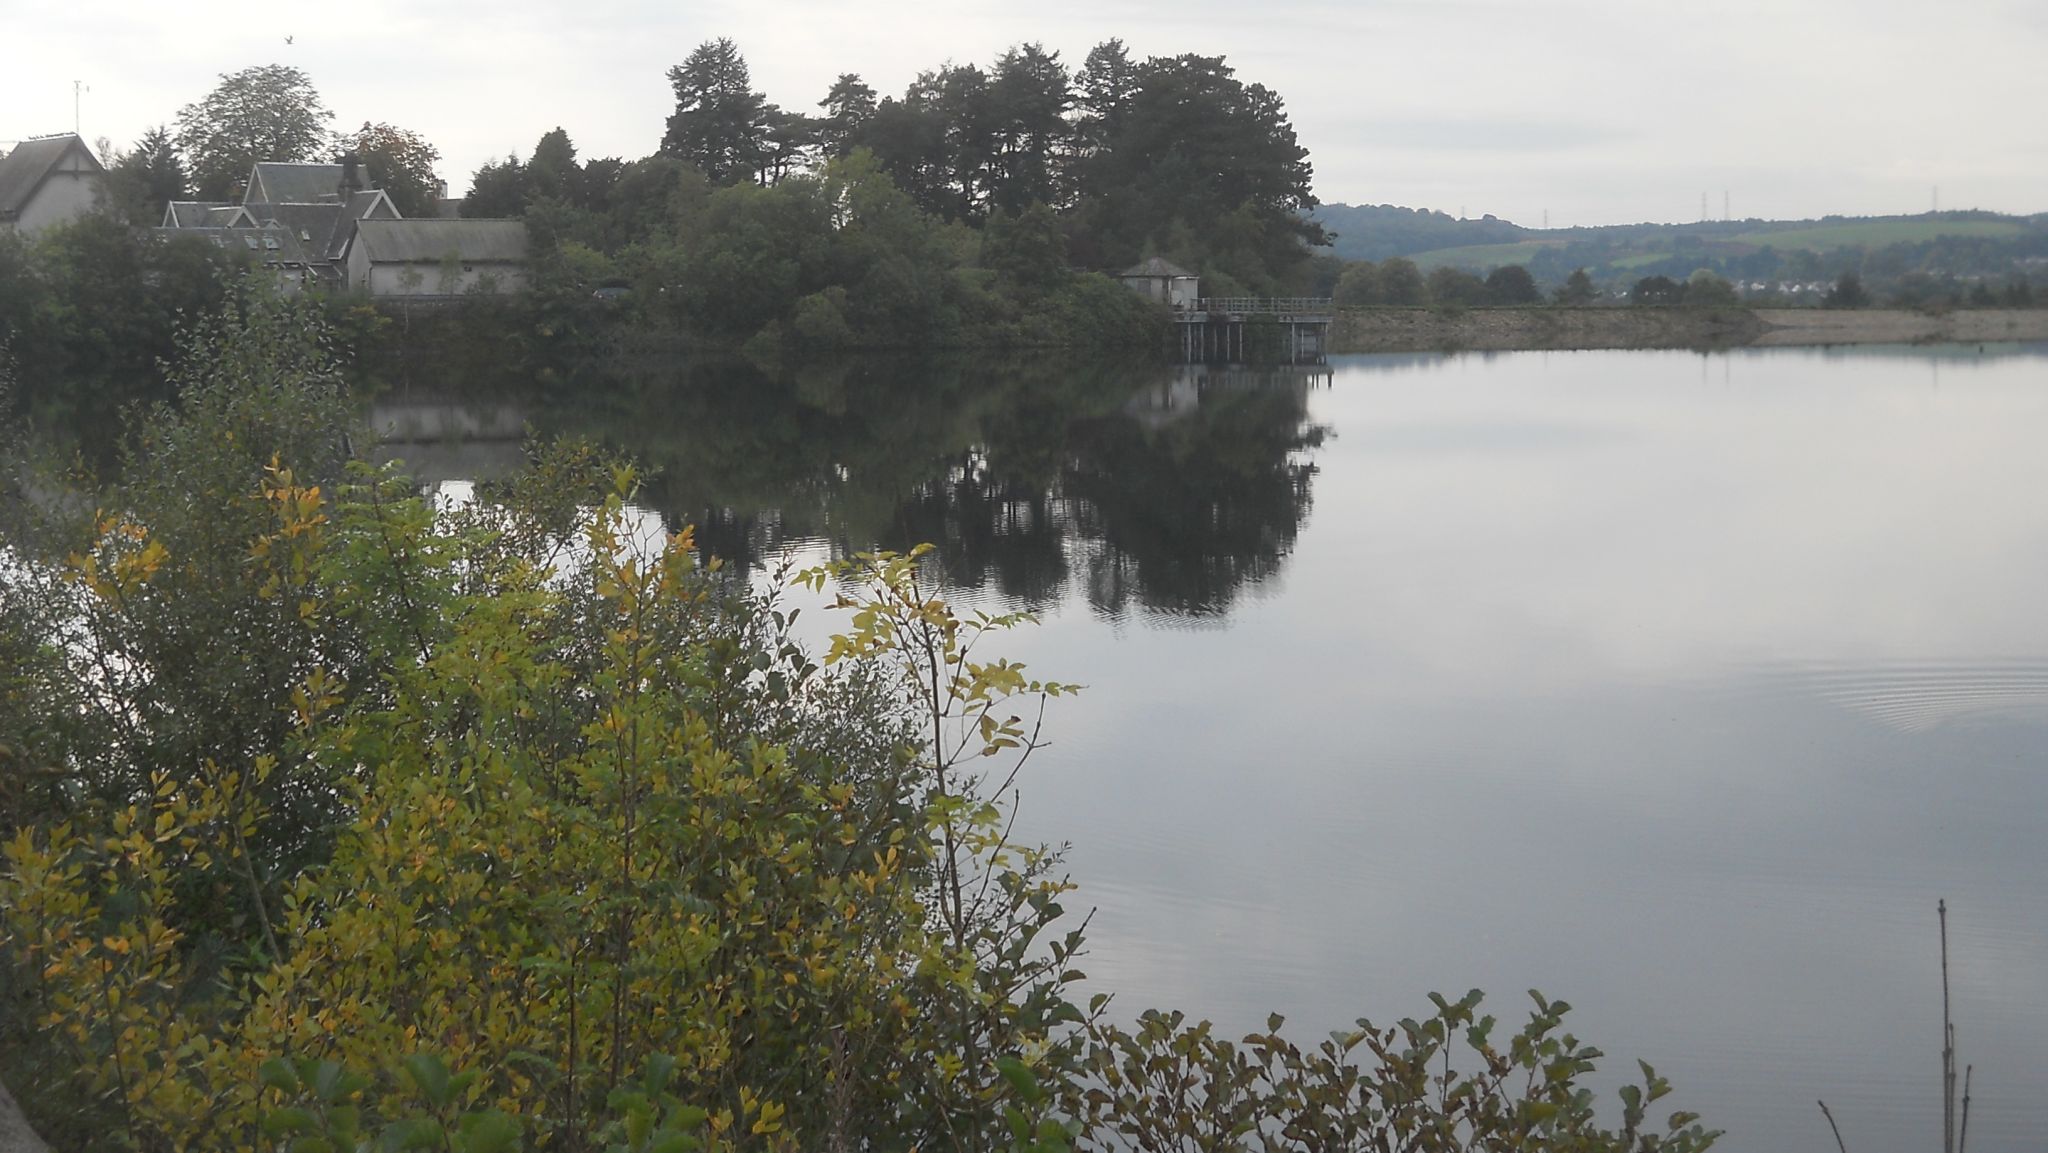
column 65, row 196
column 432, row 280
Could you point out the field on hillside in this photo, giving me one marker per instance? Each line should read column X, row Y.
column 1483, row 255
column 1876, row 233
column 1817, row 236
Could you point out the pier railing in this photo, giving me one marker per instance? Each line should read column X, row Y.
column 1260, row 305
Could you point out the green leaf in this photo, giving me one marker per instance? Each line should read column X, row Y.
column 279, row 1122
column 490, row 1132
column 1020, row 1078
column 411, row 1133
column 277, row 1073
column 431, row 1076
column 661, row 1068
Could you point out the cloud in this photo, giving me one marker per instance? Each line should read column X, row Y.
column 1478, row 134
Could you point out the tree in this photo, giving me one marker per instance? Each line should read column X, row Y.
column 1029, row 95
column 1455, row 286
column 1028, row 249
column 1704, row 289
column 1577, row 289
column 1401, row 283
column 1360, row 285
column 399, row 161
column 1657, row 292
column 266, row 113
column 1179, row 152
column 497, row 191
column 848, row 106
column 719, row 124
column 552, row 172
column 1107, row 81
column 1511, row 284
column 1847, row 293
column 145, row 178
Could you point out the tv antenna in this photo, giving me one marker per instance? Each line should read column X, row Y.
column 78, row 90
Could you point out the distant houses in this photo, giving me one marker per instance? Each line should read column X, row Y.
column 318, row 225
column 310, row 225
column 47, row 181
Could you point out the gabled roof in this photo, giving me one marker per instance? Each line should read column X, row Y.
column 191, row 213
column 273, row 182
column 432, row 241
column 327, row 228
column 268, row 245
column 229, row 216
column 311, row 223
column 23, row 170
column 371, row 204
column 1155, row 267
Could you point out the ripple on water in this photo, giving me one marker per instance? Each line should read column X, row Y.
column 1919, row 696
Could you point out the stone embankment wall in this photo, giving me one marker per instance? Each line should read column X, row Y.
column 1489, row 329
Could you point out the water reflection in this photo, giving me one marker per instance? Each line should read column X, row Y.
column 1678, row 685
column 1148, row 488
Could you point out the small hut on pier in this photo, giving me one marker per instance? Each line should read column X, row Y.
column 1163, row 281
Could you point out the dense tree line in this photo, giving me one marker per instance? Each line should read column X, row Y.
column 1168, row 155
column 1397, row 282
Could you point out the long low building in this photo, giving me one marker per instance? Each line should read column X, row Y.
column 427, row 258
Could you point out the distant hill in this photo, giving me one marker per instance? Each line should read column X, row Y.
column 1377, row 231
column 1959, row 245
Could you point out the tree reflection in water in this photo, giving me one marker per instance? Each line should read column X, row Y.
column 1163, row 488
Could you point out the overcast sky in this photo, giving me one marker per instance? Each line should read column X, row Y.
column 1594, row 111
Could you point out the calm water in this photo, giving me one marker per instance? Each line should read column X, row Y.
column 1677, row 686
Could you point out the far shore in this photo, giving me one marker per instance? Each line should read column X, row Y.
column 1507, row 329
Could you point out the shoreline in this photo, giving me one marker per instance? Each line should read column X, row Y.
column 1560, row 329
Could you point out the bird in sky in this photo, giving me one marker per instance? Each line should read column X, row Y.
column 288, row 39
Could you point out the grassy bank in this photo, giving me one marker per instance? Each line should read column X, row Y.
column 1502, row 329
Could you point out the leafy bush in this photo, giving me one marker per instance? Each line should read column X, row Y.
column 468, row 828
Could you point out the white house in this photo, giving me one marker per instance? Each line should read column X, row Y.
column 48, row 181
column 1163, row 281
column 437, row 258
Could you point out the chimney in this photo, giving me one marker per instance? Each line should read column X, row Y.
column 351, row 176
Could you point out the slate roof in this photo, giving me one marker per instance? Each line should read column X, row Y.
column 431, row 241
column 23, row 170
column 1155, row 267
column 280, row 183
column 271, row 245
column 313, row 224
column 191, row 213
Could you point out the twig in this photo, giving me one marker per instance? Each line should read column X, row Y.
column 1948, row 1044
column 1831, row 1124
column 1963, row 1139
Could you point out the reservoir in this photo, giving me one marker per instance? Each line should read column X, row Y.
column 1678, row 686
